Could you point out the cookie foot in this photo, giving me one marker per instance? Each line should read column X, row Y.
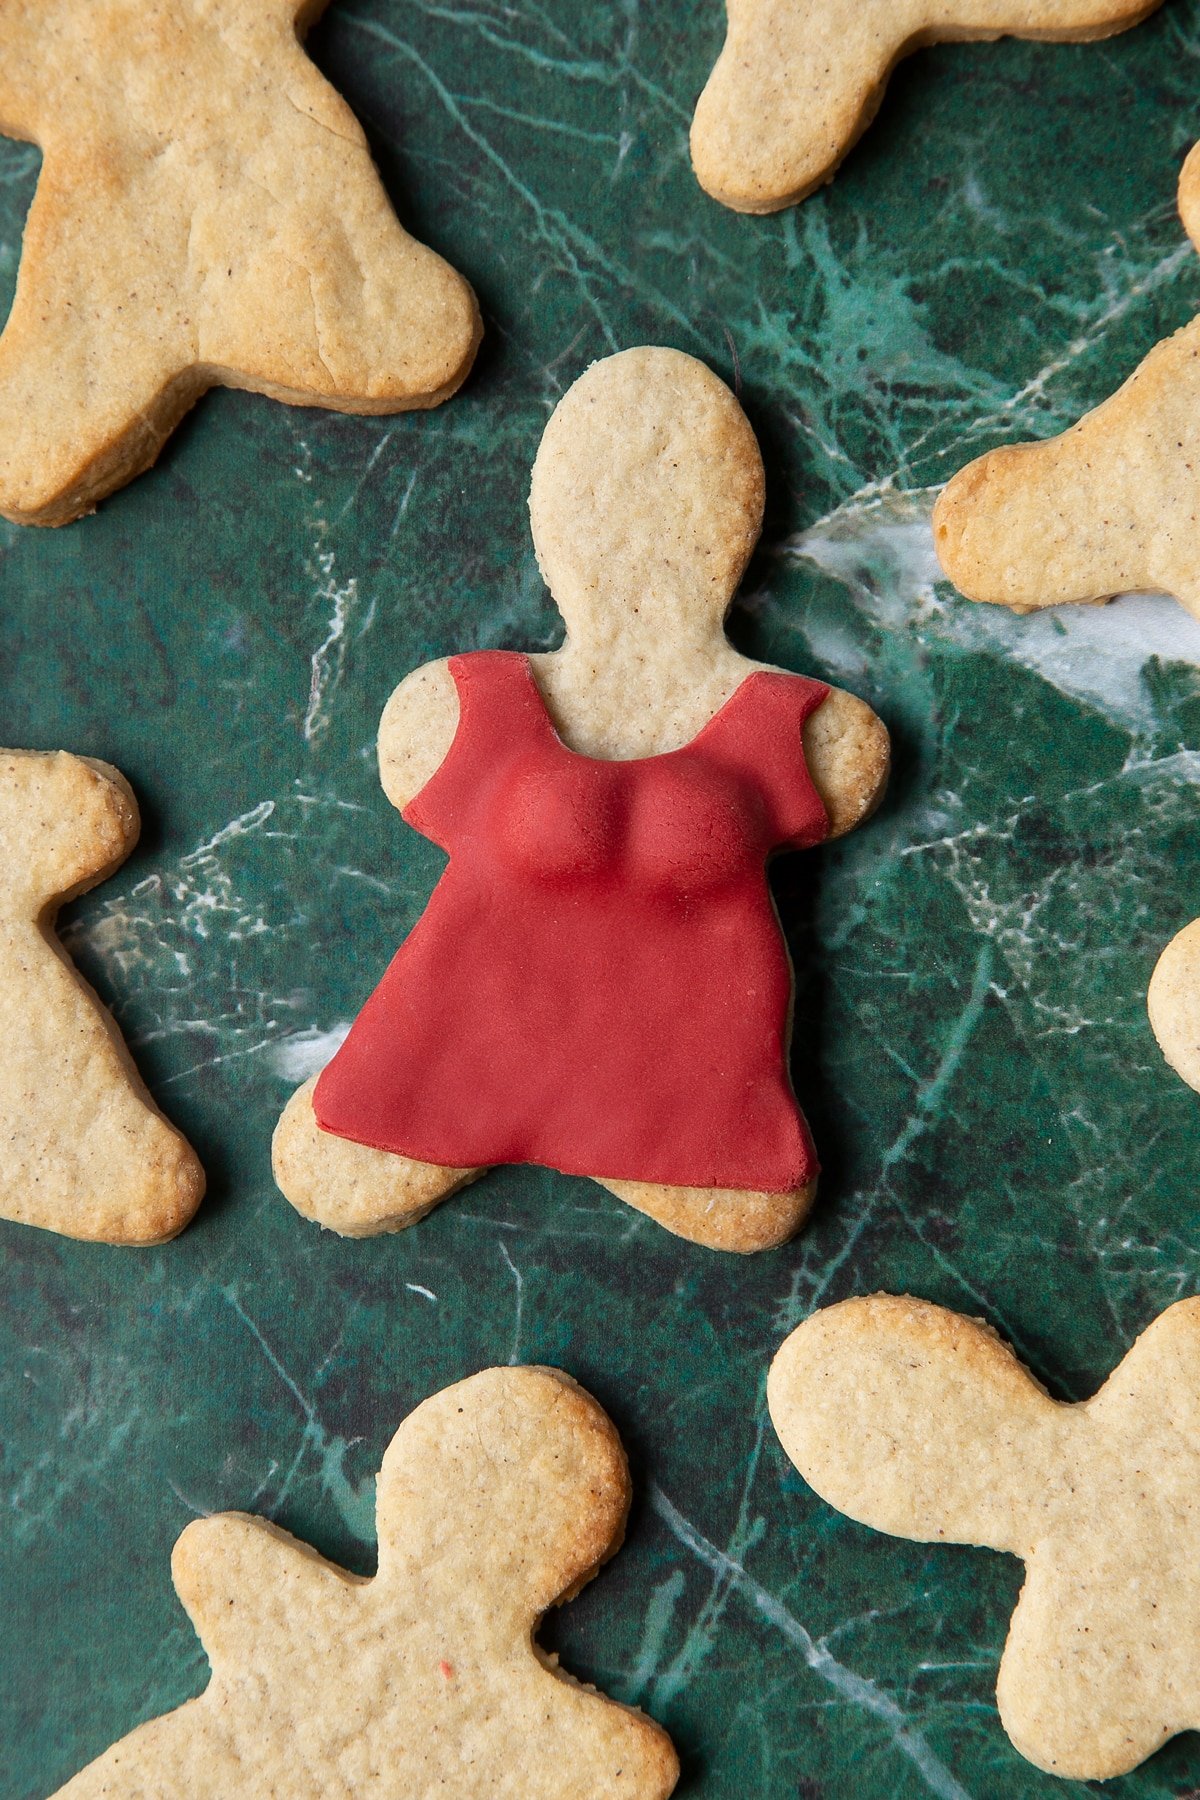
column 721, row 1218
column 351, row 1188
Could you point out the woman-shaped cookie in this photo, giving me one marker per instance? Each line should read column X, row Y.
column 600, row 984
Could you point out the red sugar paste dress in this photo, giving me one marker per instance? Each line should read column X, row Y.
column 599, row 983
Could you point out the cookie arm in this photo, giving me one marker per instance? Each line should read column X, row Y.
column 1106, row 508
column 176, row 1757
column 792, row 90
column 242, row 1582
column 66, row 822
column 416, row 731
column 1160, row 1376
column 796, row 85
column 915, row 1421
column 848, row 753
column 240, row 1578
column 614, row 1749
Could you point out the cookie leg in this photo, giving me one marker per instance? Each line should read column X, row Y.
column 328, row 301
column 350, row 1188
column 96, row 364
column 720, row 1218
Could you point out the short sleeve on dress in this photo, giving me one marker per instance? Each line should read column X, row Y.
column 498, row 707
column 761, row 734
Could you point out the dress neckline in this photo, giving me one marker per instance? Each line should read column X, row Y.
column 631, row 761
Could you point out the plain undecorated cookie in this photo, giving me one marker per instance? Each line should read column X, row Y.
column 207, row 214
column 83, row 1149
column 799, row 80
column 921, row 1423
column 498, row 1498
column 1109, row 507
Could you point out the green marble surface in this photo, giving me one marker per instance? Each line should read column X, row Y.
column 998, row 1131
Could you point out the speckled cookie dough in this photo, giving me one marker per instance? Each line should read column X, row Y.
column 498, row 1498
column 83, row 1149
column 208, row 214
column 799, row 81
column 921, row 1423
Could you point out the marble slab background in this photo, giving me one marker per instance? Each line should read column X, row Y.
column 998, row 1130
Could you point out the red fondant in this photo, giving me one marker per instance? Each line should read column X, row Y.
column 599, row 983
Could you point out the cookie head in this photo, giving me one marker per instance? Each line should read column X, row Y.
column 877, row 1398
column 540, row 1480
column 647, row 497
column 800, row 80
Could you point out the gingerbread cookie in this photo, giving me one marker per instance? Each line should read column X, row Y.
column 1173, row 1002
column 207, row 214
column 83, row 1149
column 599, row 984
column 799, row 81
column 498, row 1498
column 918, row 1422
column 1108, row 507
